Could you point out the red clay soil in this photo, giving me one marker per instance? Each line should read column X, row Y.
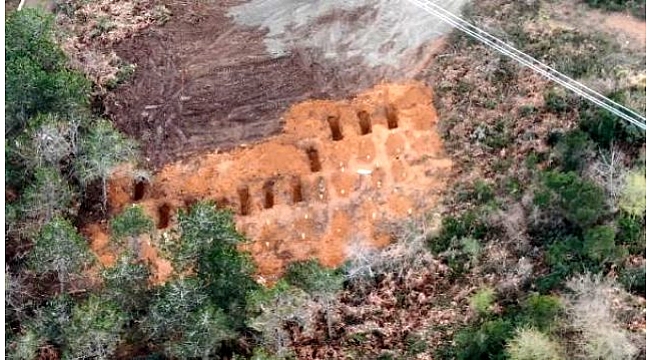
column 203, row 82
column 340, row 172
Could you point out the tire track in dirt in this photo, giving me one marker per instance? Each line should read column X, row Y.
column 205, row 81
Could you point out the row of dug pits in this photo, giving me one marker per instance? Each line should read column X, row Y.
column 340, row 172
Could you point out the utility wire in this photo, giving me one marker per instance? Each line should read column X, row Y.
column 615, row 108
column 612, row 106
column 526, row 56
column 532, row 63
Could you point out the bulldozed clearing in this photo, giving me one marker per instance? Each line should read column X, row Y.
column 340, row 172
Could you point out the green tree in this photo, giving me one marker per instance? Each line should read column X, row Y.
column 94, row 329
column 573, row 150
column 599, row 244
column 210, row 328
column 126, row 283
column 49, row 320
column 36, row 78
column 100, row 151
column 129, row 224
column 60, row 249
column 202, row 227
column 579, row 201
column 208, row 244
column 631, row 233
column 541, row 311
column 48, row 196
column 228, row 274
column 269, row 311
column 606, row 128
column 171, row 305
column 484, row 341
column 482, row 301
column 132, row 221
column 182, row 319
column 321, row 283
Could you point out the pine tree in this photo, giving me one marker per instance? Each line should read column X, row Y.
column 129, row 225
column 94, row 330
column 100, row 151
column 60, row 249
column 183, row 321
column 48, row 196
column 126, row 283
column 37, row 80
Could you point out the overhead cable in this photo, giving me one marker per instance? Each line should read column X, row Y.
column 536, row 65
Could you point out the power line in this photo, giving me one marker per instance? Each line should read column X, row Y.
column 610, row 105
column 536, row 65
column 527, row 57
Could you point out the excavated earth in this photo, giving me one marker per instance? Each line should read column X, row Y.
column 271, row 108
column 340, row 172
column 217, row 74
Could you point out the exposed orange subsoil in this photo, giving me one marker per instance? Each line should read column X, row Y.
column 309, row 195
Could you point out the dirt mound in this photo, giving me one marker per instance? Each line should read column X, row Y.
column 341, row 172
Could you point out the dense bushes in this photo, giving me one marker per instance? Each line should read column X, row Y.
column 486, row 341
column 605, row 128
column 540, row 311
column 60, row 250
column 569, row 51
column 578, row 201
column 49, row 123
column 469, row 224
column 500, row 335
column 208, row 243
column 56, row 149
column 573, row 151
column 182, row 320
column 577, row 226
column 132, row 221
column 482, row 300
column 127, row 283
column 313, row 278
column 94, row 330
column 37, row 79
column 631, row 233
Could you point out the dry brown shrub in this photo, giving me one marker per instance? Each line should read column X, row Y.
column 92, row 26
column 592, row 306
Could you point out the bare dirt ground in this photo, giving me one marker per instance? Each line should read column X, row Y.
column 207, row 79
column 627, row 30
column 340, row 172
column 193, row 92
